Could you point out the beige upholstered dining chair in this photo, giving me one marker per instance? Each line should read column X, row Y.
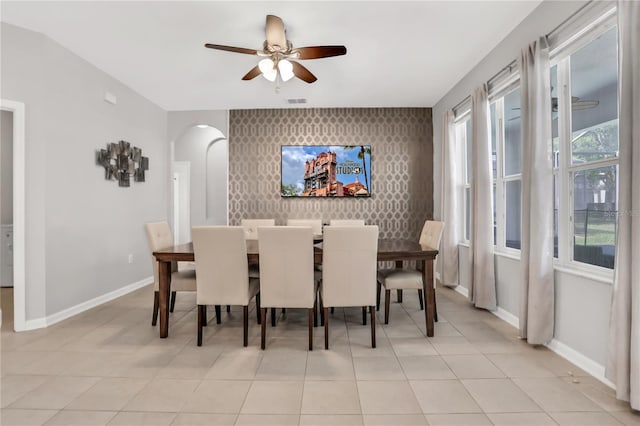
column 404, row 278
column 346, row 222
column 349, row 259
column 159, row 237
column 220, row 254
column 250, row 227
column 315, row 224
column 286, row 272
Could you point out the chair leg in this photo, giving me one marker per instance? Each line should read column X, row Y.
column 387, row 296
column 173, row 301
column 228, row 308
column 263, row 327
column 378, row 296
column 204, row 316
column 364, row 315
column 399, row 292
column 373, row 327
column 218, row 314
column 326, row 328
column 245, row 318
column 435, row 306
column 321, row 308
column 258, row 308
column 315, row 312
column 156, row 307
column 311, row 329
column 332, row 310
column 200, row 325
column 421, row 300
column 273, row 317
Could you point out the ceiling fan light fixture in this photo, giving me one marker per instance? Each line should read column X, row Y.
column 286, row 69
column 268, row 69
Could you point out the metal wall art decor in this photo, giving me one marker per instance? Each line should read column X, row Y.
column 121, row 161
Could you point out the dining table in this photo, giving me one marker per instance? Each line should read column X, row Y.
column 389, row 250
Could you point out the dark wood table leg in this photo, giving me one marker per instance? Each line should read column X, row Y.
column 399, row 291
column 427, row 283
column 164, row 269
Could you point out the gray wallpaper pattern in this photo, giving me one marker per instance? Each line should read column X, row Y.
column 401, row 142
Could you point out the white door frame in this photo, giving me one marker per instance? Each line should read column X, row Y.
column 181, row 169
column 19, row 172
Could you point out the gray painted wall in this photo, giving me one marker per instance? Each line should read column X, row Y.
column 582, row 304
column 80, row 228
column 6, row 168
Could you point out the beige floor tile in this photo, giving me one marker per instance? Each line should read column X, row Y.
column 269, row 397
column 408, row 330
column 627, row 417
column 521, row 419
column 217, row 396
column 109, row 394
column 443, row 396
column 458, row 419
column 163, row 395
column 412, row 346
column 20, row 417
column 14, row 387
column 55, row 393
column 235, row 365
column 268, row 420
column 472, row 367
column 425, row 368
column 132, row 418
column 442, row 328
column 283, row 364
column 519, row 365
column 378, row 368
column 394, row 420
column 18, row 362
column 335, row 397
column 189, row 419
column 387, row 397
column 598, row 392
column 584, row 419
column 500, row 396
column 331, row 420
column 453, row 345
column 81, row 418
column 192, row 362
column 329, row 365
column 553, row 394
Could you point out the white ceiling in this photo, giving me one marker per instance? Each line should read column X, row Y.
column 399, row 54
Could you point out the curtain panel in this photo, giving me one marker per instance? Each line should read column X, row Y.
column 482, row 285
column 623, row 363
column 451, row 213
column 536, row 256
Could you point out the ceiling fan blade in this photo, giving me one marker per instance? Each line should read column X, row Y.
column 302, row 73
column 253, row 73
column 275, row 32
column 316, row 52
column 231, row 49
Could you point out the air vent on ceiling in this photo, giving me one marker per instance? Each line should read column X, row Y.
column 297, row 101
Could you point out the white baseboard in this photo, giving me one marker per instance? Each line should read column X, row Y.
column 578, row 359
column 462, row 290
column 507, row 317
column 84, row 306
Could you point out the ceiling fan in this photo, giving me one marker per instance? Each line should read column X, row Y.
column 278, row 53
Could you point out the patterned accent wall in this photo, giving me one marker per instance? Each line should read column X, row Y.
column 401, row 142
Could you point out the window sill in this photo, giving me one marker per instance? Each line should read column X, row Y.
column 598, row 276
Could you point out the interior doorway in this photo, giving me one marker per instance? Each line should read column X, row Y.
column 181, row 197
column 12, row 215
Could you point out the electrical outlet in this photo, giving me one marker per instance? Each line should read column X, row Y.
column 131, row 258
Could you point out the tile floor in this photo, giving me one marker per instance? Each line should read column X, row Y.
column 108, row 366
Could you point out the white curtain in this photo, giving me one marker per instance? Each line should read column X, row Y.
column 448, row 257
column 623, row 365
column 482, row 285
column 536, row 256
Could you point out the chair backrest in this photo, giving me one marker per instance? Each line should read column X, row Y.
column 222, row 271
column 158, row 237
column 349, row 264
column 346, row 222
column 251, row 226
column 315, row 224
column 286, row 267
column 431, row 233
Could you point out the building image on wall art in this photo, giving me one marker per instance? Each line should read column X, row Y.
column 326, row 171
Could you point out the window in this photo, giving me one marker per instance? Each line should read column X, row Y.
column 506, row 143
column 585, row 151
